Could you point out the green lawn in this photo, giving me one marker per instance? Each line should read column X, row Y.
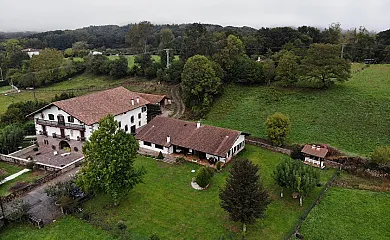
column 66, row 228
column 352, row 116
column 25, row 177
column 349, row 214
column 131, row 58
column 167, row 205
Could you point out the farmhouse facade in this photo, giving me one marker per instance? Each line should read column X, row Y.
column 173, row 136
column 68, row 123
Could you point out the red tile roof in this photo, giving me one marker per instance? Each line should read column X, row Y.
column 208, row 139
column 152, row 98
column 93, row 107
column 308, row 149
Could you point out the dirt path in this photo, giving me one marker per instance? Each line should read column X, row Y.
column 176, row 99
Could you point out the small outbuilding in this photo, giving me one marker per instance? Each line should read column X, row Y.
column 315, row 155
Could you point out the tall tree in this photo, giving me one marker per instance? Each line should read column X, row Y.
column 229, row 56
column 243, row 196
column 199, row 84
column 166, row 37
column 296, row 177
column 287, row 70
column 139, row 35
column 11, row 137
column 323, row 65
column 47, row 59
column 278, row 126
column 119, row 67
column 197, row 40
column 109, row 161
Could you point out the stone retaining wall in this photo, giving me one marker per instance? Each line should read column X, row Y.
column 262, row 143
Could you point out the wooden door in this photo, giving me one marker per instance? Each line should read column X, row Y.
column 62, row 133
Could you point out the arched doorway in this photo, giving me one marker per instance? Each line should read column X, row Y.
column 65, row 144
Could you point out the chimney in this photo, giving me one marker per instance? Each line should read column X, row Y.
column 168, row 139
column 313, row 146
column 198, row 124
column 132, row 101
column 318, row 148
column 137, row 100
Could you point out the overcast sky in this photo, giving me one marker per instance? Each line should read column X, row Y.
column 42, row 15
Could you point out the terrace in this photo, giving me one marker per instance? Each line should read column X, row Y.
column 59, row 124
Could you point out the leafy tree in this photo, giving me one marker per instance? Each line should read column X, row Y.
column 287, row 70
column 119, row 67
column 109, row 157
column 381, row 156
column 174, row 71
column 243, row 195
column 166, row 37
column 139, row 35
column 11, row 136
column 14, row 57
column 323, row 65
column 296, row 177
column 332, row 34
column 199, row 83
column 203, row 177
column 228, row 58
column 246, row 70
column 269, row 71
column 98, row 64
column 68, row 53
column 197, row 40
column 47, row 59
column 278, row 126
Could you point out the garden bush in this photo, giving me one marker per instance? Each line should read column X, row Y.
column 160, row 155
column 203, row 177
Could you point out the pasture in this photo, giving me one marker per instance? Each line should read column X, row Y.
column 349, row 214
column 352, row 116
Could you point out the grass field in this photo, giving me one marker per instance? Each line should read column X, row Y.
column 65, row 228
column 168, row 206
column 25, row 177
column 349, row 214
column 352, row 116
column 131, row 58
column 81, row 82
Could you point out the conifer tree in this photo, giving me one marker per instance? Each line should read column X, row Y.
column 244, row 196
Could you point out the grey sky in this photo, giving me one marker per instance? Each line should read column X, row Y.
column 41, row 15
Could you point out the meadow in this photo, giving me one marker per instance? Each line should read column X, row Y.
column 349, row 214
column 352, row 116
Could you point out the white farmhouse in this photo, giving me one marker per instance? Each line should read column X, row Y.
column 31, row 52
column 173, row 136
column 68, row 123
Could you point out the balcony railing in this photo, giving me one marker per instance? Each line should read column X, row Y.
column 60, row 125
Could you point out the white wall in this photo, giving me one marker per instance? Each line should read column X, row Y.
column 240, row 140
column 73, row 134
column 165, row 150
column 124, row 118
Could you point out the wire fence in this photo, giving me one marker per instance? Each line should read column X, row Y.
column 294, row 230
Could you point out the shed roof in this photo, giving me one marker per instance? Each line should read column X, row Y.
column 317, row 152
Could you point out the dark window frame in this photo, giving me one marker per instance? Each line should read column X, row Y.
column 51, row 117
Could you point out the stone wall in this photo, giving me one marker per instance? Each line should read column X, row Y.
column 264, row 144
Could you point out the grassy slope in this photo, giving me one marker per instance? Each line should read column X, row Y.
column 66, row 228
column 352, row 116
column 349, row 214
column 167, row 205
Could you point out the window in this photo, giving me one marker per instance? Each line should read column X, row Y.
column 126, row 128
column 120, row 124
column 71, row 133
column 143, row 109
column 70, row 119
column 132, row 129
column 51, row 117
column 132, row 119
column 139, row 115
column 139, row 123
column 147, row 143
column 158, row 146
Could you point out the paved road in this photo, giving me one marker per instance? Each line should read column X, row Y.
column 43, row 206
